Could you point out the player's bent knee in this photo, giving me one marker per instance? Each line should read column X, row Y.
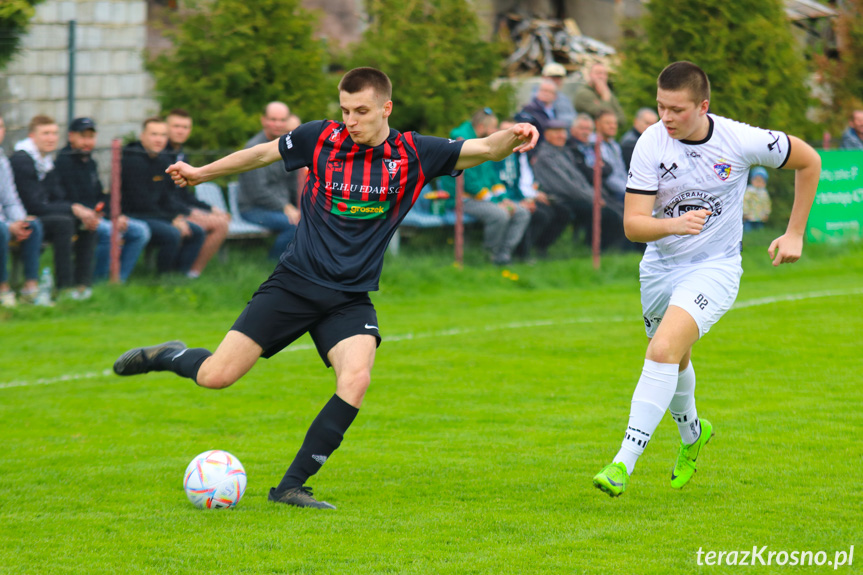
column 664, row 351
column 352, row 386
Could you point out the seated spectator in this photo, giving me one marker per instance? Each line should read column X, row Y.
column 606, row 131
column 212, row 220
column 516, row 174
column 581, row 142
column 852, row 138
column 16, row 226
column 504, row 221
column 541, row 107
column 268, row 196
column 595, row 95
column 756, row 200
column 570, row 193
column 644, row 118
column 62, row 220
column 562, row 106
column 78, row 176
column 148, row 195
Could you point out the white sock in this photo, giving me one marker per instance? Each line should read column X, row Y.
column 682, row 406
column 650, row 399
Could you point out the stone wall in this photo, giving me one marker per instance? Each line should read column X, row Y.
column 111, row 85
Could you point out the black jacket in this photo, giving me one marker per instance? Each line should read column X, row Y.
column 78, row 179
column 40, row 198
column 186, row 195
column 148, row 192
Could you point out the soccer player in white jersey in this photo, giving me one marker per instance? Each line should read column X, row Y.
column 685, row 199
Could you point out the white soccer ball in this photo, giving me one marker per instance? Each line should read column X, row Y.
column 215, row 479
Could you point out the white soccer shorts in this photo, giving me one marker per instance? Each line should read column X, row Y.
column 705, row 291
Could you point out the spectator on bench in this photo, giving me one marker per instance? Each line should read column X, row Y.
column 79, row 179
column 62, row 220
column 148, row 195
column 16, row 226
column 644, row 118
column 504, row 221
column 852, row 137
column 212, row 220
column 268, row 195
column 570, row 192
column 516, row 174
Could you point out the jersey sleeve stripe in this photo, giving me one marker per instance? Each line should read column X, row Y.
column 788, row 155
column 421, row 178
column 318, row 147
column 641, row 192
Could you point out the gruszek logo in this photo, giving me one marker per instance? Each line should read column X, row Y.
column 359, row 210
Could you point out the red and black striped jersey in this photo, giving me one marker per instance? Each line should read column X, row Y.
column 354, row 198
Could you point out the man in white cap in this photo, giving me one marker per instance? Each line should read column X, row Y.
column 563, row 109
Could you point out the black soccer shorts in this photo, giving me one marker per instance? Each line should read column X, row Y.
column 286, row 306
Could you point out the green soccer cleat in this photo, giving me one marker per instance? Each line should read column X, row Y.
column 612, row 479
column 684, row 469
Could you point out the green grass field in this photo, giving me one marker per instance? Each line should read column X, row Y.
column 494, row 401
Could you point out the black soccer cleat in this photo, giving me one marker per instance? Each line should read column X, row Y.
column 298, row 497
column 141, row 359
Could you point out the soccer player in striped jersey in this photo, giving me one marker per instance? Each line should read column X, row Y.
column 363, row 178
column 684, row 197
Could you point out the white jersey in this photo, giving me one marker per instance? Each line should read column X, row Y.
column 709, row 174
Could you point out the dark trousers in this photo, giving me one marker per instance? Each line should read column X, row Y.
column 176, row 253
column 579, row 211
column 61, row 231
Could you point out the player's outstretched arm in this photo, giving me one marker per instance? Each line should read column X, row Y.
column 518, row 138
column 640, row 225
column 788, row 247
column 242, row 161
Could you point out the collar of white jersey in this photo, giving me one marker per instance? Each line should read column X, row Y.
column 706, row 138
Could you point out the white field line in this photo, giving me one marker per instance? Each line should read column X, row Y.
column 468, row 330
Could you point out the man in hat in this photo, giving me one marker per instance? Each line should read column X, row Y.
column 563, row 108
column 79, row 179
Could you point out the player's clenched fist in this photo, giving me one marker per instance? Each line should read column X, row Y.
column 691, row 223
column 183, row 174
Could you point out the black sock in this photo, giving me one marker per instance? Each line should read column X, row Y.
column 323, row 437
column 184, row 363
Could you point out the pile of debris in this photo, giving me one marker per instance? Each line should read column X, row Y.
column 539, row 42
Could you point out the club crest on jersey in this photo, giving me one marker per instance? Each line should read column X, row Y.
column 335, row 135
column 359, row 210
column 392, row 167
column 722, row 169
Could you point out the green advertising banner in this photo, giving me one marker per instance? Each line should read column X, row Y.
column 837, row 214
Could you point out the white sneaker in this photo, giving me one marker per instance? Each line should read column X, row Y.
column 7, row 299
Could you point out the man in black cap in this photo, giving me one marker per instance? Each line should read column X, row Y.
column 79, row 179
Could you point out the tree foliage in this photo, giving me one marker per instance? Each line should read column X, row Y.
column 231, row 57
column 441, row 68
column 757, row 73
column 843, row 77
column 15, row 18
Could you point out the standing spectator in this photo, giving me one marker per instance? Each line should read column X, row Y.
column 212, row 220
column 541, row 107
column 78, row 175
column 16, row 226
column 268, row 195
column 40, row 192
column 563, row 109
column 606, row 131
column 570, row 192
column 516, row 174
column 644, row 118
column 504, row 221
column 852, row 138
column 756, row 200
column 148, row 195
column 596, row 96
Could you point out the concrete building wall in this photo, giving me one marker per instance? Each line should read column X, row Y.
column 111, row 85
